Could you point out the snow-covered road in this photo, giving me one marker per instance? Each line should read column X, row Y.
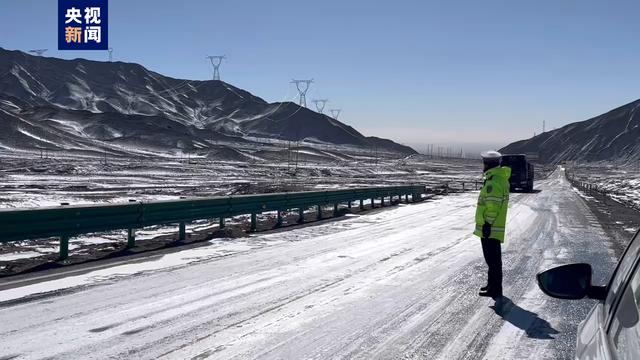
column 395, row 283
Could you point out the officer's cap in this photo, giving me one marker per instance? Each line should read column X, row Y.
column 490, row 155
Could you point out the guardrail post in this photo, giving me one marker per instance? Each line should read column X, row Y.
column 182, row 231
column 279, row 219
column 131, row 238
column 361, row 204
column 64, row 247
column 301, row 215
column 349, row 205
column 221, row 223
column 335, row 209
column 406, row 198
column 254, row 221
column 373, row 203
column 131, row 233
column 319, row 212
column 382, row 200
column 463, row 189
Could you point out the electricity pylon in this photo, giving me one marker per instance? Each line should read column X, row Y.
column 216, row 60
column 303, row 87
column 320, row 104
column 335, row 113
column 38, row 52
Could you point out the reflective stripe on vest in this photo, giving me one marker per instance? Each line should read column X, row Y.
column 493, row 229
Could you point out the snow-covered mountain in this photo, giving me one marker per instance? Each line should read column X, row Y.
column 613, row 136
column 84, row 105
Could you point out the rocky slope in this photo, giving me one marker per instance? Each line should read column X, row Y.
column 92, row 106
column 613, row 136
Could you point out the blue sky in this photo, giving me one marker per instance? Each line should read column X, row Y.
column 450, row 72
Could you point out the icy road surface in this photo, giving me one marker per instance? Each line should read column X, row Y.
column 396, row 283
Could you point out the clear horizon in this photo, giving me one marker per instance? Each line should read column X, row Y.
column 464, row 75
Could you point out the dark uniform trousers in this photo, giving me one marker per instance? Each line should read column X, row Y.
column 492, row 251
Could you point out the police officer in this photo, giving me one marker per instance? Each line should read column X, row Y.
column 491, row 216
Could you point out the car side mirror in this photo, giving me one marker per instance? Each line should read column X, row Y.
column 572, row 281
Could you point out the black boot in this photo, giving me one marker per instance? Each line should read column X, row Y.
column 491, row 293
column 484, row 288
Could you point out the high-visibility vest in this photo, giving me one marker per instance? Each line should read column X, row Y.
column 493, row 202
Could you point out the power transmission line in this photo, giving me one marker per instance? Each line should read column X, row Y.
column 320, row 104
column 303, row 87
column 38, row 52
column 216, row 61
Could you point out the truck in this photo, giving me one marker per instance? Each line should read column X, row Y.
column 521, row 172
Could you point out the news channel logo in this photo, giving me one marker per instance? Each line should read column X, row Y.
column 83, row 25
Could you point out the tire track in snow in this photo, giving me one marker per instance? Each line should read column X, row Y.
column 397, row 283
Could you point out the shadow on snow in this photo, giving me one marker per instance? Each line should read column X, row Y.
column 533, row 326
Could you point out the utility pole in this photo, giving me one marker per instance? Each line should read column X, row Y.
column 110, row 50
column 320, row 104
column 303, row 87
column 38, row 52
column 334, row 114
column 216, row 60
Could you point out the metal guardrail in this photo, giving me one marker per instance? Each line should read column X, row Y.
column 614, row 195
column 68, row 221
